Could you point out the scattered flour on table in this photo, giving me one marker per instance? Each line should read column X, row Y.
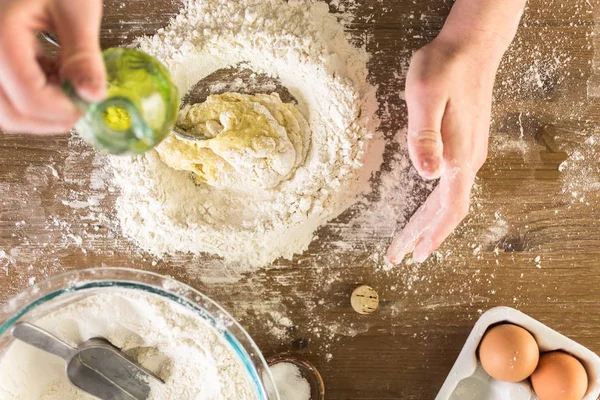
column 186, row 353
column 305, row 47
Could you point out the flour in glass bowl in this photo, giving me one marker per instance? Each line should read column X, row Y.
column 189, row 355
column 305, row 47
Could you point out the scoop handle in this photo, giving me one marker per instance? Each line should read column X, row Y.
column 42, row 340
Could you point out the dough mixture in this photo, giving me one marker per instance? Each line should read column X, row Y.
column 256, row 141
column 273, row 173
column 190, row 356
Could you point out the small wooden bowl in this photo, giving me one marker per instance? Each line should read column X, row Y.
column 308, row 371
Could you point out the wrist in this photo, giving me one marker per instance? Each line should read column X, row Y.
column 485, row 47
column 482, row 28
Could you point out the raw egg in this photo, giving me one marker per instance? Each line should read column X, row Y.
column 508, row 353
column 559, row 376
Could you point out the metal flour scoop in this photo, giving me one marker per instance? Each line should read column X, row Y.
column 96, row 366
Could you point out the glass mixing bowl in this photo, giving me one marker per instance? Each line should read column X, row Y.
column 61, row 290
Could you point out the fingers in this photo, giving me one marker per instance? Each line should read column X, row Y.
column 24, row 84
column 406, row 240
column 455, row 193
column 445, row 208
column 13, row 122
column 426, row 108
column 78, row 28
column 31, row 100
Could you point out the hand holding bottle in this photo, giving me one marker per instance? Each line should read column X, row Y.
column 31, row 99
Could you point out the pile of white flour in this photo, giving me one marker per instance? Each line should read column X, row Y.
column 187, row 354
column 303, row 45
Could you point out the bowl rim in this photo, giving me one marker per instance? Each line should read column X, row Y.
column 18, row 307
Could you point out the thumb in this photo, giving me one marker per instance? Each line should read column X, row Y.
column 424, row 134
column 78, row 28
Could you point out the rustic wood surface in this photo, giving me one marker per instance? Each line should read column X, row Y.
column 525, row 206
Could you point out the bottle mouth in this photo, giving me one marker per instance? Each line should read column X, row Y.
column 121, row 125
column 116, row 123
column 119, row 116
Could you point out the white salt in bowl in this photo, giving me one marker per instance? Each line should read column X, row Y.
column 62, row 290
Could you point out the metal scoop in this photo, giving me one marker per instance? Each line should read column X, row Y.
column 96, row 366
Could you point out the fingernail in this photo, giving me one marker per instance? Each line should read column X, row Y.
column 426, row 161
column 430, row 164
column 430, row 167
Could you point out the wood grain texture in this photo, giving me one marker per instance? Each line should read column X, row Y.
column 524, row 207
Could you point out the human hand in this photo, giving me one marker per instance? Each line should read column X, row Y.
column 449, row 98
column 31, row 99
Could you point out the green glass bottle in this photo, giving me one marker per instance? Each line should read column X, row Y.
column 141, row 107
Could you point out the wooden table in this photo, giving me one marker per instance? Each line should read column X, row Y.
column 532, row 240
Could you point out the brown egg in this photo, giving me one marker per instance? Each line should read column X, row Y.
column 559, row 376
column 508, row 353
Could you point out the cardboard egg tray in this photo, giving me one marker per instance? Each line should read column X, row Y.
column 467, row 380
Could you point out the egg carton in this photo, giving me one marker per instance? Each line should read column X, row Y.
column 468, row 381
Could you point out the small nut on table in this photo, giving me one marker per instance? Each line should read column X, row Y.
column 364, row 300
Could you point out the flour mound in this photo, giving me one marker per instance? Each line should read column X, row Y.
column 306, row 48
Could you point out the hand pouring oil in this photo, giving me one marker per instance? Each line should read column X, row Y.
column 141, row 107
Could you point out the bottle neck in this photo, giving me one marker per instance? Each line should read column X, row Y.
column 114, row 125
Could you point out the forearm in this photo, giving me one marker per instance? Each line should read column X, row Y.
column 488, row 26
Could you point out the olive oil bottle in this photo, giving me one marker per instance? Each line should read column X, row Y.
column 141, row 107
